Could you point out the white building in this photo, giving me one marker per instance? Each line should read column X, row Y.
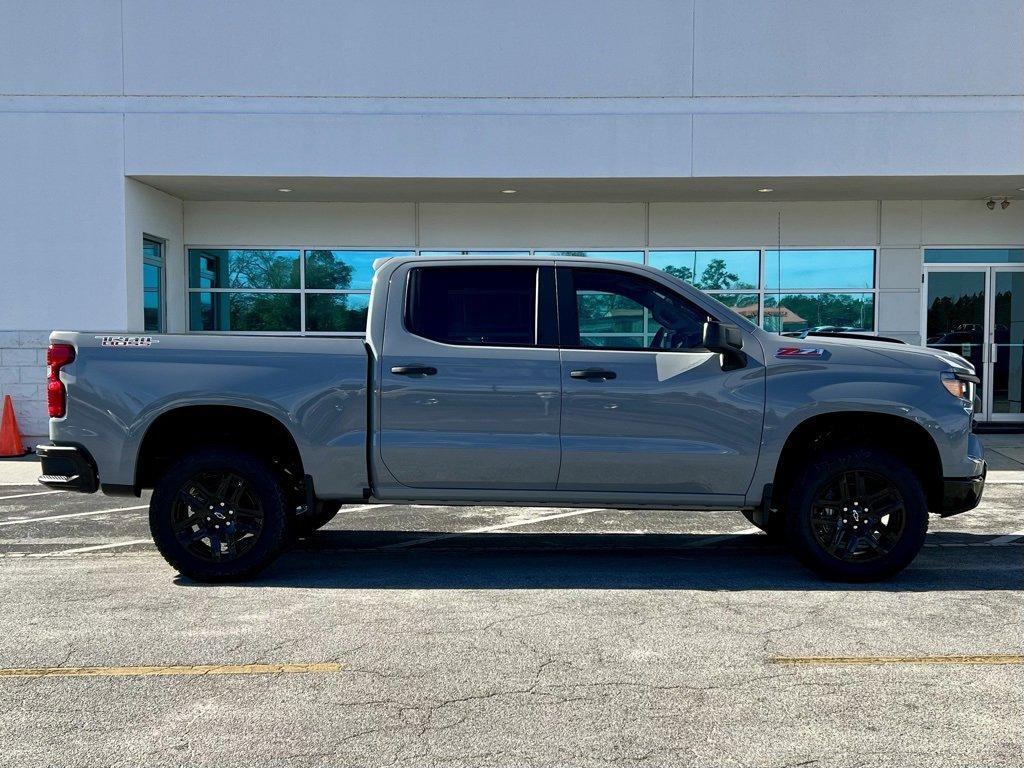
column 865, row 137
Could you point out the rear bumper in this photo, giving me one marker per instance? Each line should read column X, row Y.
column 67, row 468
column 960, row 494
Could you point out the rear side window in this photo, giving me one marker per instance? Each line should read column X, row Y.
column 494, row 306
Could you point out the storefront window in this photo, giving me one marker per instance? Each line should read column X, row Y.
column 271, row 290
column 153, row 285
column 819, row 270
column 974, row 256
column 634, row 256
column 711, row 270
column 326, row 290
column 343, row 270
column 840, row 312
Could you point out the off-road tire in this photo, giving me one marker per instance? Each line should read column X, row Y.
column 827, row 472
column 261, row 483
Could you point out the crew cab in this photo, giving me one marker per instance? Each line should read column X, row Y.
column 519, row 381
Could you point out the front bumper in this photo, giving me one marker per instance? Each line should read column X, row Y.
column 960, row 494
column 67, row 468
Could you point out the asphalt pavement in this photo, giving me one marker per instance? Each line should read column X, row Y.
column 478, row 636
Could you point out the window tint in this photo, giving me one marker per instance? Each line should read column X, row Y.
column 616, row 310
column 473, row 305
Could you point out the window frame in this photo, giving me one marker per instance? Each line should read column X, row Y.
column 160, row 262
column 545, row 315
column 568, row 311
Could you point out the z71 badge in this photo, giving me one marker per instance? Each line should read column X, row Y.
column 802, row 352
column 127, row 341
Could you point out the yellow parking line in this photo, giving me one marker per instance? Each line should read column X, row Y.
column 835, row 660
column 180, row 669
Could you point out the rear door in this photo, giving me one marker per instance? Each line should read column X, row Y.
column 645, row 408
column 470, row 379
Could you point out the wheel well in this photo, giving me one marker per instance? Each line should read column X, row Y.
column 903, row 438
column 177, row 432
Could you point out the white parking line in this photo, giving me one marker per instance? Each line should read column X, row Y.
column 91, row 549
column 26, row 495
column 489, row 528
column 362, row 507
column 23, row 521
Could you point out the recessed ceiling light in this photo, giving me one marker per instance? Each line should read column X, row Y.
column 509, row 191
column 766, row 189
column 283, row 189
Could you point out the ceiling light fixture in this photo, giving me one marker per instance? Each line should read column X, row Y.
column 1020, row 189
column 283, row 189
column 509, row 191
column 991, row 205
column 1005, row 204
column 766, row 189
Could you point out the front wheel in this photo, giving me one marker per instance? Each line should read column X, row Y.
column 218, row 515
column 856, row 514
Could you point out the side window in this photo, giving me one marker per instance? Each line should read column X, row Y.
column 153, row 285
column 617, row 310
column 493, row 306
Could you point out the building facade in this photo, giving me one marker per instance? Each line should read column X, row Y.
column 236, row 166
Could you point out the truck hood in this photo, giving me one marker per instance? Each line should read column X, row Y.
column 849, row 350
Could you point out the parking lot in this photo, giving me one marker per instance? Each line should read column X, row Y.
column 473, row 636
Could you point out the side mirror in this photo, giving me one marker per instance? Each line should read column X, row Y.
column 727, row 340
column 721, row 337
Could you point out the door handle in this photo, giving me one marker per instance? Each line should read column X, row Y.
column 414, row 370
column 592, row 374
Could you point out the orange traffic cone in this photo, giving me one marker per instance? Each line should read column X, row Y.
column 10, row 437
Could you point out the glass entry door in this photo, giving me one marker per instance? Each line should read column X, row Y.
column 978, row 313
column 1007, row 340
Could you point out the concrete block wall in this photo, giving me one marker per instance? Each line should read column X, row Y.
column 23, row 377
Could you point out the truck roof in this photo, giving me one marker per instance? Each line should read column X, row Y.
column 378, row 263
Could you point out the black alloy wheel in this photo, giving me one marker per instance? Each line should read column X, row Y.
column 856, row 513
column 217, row 516
column 858, row 516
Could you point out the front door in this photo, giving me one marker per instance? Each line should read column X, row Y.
column 1006, row 337
column 469, row 378
column 645, row 408
column 978, row 313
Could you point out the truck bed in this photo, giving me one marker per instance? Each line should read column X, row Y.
column 118, row 385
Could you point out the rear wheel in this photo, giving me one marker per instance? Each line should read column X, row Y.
column 218, row 515
column 857, row 514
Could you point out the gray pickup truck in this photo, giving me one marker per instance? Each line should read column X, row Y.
column 519, row 381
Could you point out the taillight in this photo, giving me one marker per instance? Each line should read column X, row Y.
column 57, row 356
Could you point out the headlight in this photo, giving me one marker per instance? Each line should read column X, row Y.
column 960, row 385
